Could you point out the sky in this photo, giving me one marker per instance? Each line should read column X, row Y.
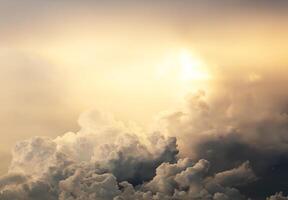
column 211, row 73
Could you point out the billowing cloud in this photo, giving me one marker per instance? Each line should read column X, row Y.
column 106, row 160
column 242, row 119
column 224, row 146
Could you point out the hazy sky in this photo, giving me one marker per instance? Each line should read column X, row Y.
column 59, row 58
column 198, row 90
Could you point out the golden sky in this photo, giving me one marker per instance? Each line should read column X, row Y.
column 132, row 58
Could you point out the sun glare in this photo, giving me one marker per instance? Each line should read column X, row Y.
column 184, row 66
column 191, row 67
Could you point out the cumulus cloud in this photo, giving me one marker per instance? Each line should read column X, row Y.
column 225, row 146
column 240, row 120
column 107, row 160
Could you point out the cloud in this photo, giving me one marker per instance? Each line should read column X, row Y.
column 125, row 165
column 277, row 196
column 225, row 146
column 33, row 97
column 237, row 122
column 236, row 177
column 12, row 179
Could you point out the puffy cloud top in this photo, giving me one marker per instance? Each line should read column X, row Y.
column 106, row 160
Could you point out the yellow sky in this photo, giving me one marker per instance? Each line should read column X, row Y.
column 131, row 59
